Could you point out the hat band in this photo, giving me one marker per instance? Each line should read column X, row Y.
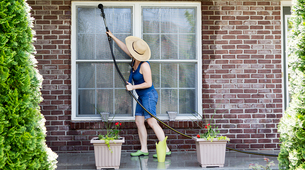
column 135, row 49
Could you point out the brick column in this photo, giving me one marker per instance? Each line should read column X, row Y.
column 52, row 26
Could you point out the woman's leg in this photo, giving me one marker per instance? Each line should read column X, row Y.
column 157, row 129
column 142, row 132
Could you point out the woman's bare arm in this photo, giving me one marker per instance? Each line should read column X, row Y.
column 146, row 71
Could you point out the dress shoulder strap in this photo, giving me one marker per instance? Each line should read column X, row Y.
column 139, row 66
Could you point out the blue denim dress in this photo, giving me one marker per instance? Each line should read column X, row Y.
column 147, row 97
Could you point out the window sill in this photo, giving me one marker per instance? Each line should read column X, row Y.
column 161, row 117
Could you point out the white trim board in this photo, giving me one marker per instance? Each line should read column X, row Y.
column 284, row 67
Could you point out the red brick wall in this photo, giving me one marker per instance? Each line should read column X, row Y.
column 241, row 47
column 242, row 70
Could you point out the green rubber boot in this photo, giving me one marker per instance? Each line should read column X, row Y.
column 139, row 153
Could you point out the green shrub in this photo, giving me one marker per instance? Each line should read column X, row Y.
column 22, row 129
column 292, row 124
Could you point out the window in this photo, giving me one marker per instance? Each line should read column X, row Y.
column 172, row 31
column 286, row 11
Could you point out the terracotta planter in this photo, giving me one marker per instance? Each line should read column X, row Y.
column 210, row 153
column 103, row 156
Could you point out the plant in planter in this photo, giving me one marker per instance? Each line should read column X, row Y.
column 210, row 148
column 111, row 134
column 211, row 133
column 107, row 147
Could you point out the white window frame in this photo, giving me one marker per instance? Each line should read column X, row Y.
column 137, row 17
column 285, row 82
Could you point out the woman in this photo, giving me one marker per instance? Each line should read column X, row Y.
column 140, row 73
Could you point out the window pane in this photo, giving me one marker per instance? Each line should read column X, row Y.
column 123, row 102
column 92, row 42
column 102, row 47
column 120, row 25
column 118, row 53
column 125, row 70
column 104, row 75
column 86, row 75
column 169, row 75
column 85, row 46
column 169, row 20
column 187, row 75
column 169, row 100
column 85, row 33
column 187, row 47
column 175, row 27
column 119, row 19
column 86, row 20
column 151, row 20
column 188, row 23
column 177, row 20
column 104, row 101
column 153, row 41
column 187, row 100
column 169, row 46
column 155, row 71
column 86, row 102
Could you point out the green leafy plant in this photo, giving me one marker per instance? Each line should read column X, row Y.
column 259, row 167
column 112, row 132
column 210, row 132
column 292, row 124
column 22, row 126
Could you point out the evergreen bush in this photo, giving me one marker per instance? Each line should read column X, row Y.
column 22, row 128
column 292, row 124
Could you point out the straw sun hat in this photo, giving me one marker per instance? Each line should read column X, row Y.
column 138, row 48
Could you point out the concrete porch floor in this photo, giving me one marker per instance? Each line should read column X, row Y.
column 177, row 161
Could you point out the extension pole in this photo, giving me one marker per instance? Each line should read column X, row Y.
column 100, row 6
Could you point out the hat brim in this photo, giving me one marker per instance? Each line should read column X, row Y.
column 144, row 57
